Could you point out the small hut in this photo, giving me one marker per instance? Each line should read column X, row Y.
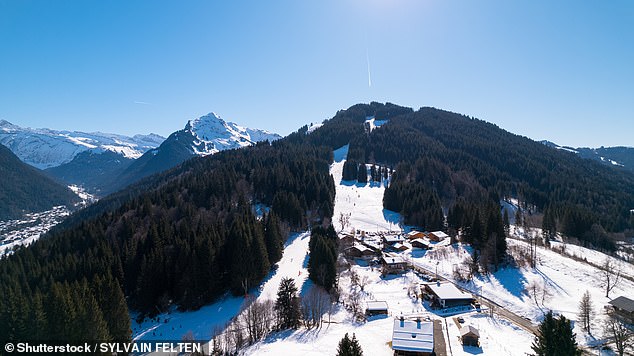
column 469, row 336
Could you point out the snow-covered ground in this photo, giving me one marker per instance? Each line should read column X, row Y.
column 364, row 202
column 371, row 123
column 564, row 279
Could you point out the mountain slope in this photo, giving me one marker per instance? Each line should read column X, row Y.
column 24, row 188
column 91, row 170
column 46, row 148
column 203, row 136
column 450, row 158
column 612, row 156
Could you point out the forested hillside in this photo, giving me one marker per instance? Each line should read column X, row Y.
column 187, row 240
column 26, row 189
column 444, row 159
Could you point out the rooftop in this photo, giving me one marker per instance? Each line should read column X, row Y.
column 623, row 303
column 413, row 336
column 377, row 305
column 448, row 291
column 469, row 329
column 420, row 241
column 361, row 248
column 393, row 238
column 393, row 259
column 440, row 234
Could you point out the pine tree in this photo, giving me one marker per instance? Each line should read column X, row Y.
column 555, row 337
column 287, row 304
column 362, row 174
column 585, row 311
column 549, row 225
column 349, row 347
column 273, row 238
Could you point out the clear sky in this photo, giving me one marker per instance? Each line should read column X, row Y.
column 556, row 70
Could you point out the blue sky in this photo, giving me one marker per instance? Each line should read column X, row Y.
column 557, row 70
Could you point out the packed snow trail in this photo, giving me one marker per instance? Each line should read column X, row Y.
column 364, row 202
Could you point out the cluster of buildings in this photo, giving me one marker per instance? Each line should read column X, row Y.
column 415, row 336
column 385, row 247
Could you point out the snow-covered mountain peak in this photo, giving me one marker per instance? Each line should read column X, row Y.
column 208, row 127
column 210, row 134
column 7, row 126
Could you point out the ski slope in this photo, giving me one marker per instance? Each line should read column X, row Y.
column 364, row 202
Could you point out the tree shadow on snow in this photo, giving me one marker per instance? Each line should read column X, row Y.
column 512, row 280
column 391, row 216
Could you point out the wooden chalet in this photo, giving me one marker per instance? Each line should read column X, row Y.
column 400, row 247
column 437, row 236
column 359, row 251
column 446, row 295
column 392, row 239
column 414, row 234
column 469, row 336
column 393, row 264
column 420, row 243
column 376, row 308
column 623, row 308
column 346, row 239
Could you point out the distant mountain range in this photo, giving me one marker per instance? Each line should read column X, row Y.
column 103, row 163
column 611, row 156
column 46, row 148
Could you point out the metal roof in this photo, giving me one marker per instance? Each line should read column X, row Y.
column 624, row 303
column 377, row 305
column 413, row 336
column 448, row 291
column 469, row 329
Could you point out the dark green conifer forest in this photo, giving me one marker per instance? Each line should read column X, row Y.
column 184, row 242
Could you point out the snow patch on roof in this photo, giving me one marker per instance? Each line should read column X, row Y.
column 413, row 336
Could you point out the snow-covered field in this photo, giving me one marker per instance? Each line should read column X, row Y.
column 364, row 202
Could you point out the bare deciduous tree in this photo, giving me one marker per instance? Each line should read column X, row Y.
column 611, row 275
column 363, row 282
column 586, row 311
column 256, row 318
column 539, row 292
column 314, row 305
column 354, row 304
column 344, row 220
column 622, row 336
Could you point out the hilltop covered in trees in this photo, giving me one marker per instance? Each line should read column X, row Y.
column 186, row 241
column 447, row 160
